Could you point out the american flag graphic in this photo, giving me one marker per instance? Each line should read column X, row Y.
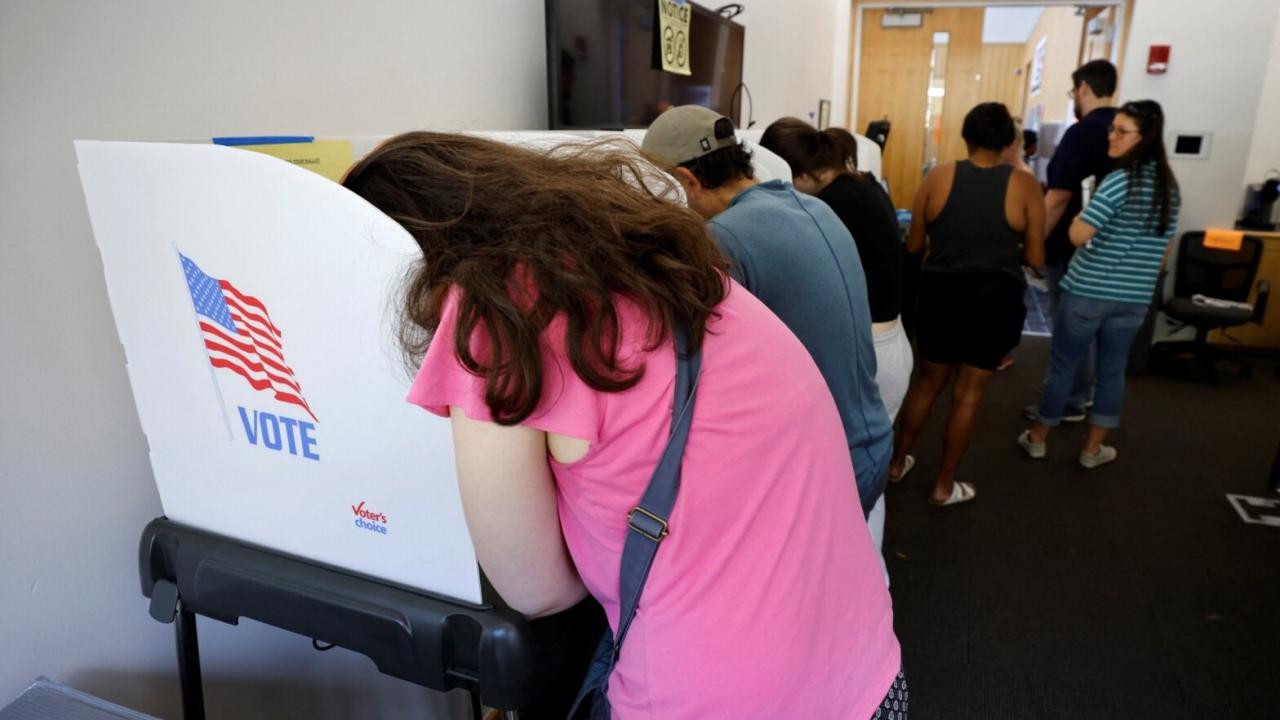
column 240, row 337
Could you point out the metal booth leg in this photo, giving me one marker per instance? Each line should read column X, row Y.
column 189, row 664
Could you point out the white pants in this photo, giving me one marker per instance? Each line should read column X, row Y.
column 894, row 362
column 893, row 367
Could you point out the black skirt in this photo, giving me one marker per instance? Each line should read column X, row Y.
column 969, row 318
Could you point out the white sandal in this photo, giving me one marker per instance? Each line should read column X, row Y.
column 961, row 492
column 907, row 464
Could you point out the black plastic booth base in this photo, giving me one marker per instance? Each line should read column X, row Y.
column 529, row 669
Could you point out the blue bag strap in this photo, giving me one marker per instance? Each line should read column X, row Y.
column 648, row 526
column 648, row 520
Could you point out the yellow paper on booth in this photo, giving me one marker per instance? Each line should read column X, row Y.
column 673, row 35
column 330, row 158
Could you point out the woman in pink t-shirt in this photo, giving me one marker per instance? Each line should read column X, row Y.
column 542, row 310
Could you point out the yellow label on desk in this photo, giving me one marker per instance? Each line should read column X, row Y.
column 1231, row 240
column 330, row 158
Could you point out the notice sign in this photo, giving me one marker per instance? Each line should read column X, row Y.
column 673, row 35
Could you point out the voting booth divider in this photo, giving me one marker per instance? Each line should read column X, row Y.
column 256, row 302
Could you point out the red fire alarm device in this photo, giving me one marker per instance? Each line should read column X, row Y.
column 1158, row 60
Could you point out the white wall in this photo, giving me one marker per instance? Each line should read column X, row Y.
column 75, row 484
column 1264, row 151
column 1009, row 24
column 790, row 51
column 841, row 52
column 1214, row 83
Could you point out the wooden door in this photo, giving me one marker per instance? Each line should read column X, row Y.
column 893, row 82
column 1003, row 78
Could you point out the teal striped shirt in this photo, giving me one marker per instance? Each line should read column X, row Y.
column 1122, row 261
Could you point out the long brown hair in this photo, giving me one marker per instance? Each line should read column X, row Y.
column 527, row 236
column 1150, row 153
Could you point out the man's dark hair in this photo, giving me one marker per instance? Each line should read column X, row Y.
column 1029, row 138
column 1099, row 75
column 722, row 166
column 988, row 125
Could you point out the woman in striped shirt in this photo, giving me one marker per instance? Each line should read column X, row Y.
column 1123, row 235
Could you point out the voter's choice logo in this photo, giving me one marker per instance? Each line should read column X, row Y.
column 368, row 520
column 241, row 339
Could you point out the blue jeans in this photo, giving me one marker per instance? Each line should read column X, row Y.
column 1081, row 322
column 1082, row 386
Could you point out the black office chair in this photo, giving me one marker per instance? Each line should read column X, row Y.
column 878, row 131
column 1223, row 275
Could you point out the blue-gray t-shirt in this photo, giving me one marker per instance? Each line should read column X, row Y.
column 792, row 252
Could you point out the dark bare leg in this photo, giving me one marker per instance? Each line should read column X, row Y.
column 966, row 395
column 930, row 379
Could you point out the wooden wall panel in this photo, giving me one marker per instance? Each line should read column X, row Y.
column 1062, row 27
column 1003, row 79
column 964, row 70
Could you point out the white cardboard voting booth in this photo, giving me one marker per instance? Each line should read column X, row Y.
column 255, row 303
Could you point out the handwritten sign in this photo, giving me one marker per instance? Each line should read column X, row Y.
column 673, row 35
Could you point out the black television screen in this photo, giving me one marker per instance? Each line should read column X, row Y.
column 601, row 71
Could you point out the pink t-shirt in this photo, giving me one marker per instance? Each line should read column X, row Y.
column 767, row 599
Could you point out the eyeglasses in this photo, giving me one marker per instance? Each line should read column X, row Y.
column 1115, row 130
column 1071, row 93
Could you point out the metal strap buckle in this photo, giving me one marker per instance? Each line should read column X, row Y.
column 655, row 530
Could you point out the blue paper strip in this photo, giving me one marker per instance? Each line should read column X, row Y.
column 263, row 140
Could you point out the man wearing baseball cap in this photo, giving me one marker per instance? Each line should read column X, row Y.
column 793, row 253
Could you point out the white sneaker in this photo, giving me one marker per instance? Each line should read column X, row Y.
column 1034, row 449
column 1105, row 454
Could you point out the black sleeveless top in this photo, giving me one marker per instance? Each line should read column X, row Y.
column 972, row 232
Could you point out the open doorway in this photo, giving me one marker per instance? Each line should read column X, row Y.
column 923, row 67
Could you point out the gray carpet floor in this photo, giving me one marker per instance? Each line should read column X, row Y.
column 1131, row 591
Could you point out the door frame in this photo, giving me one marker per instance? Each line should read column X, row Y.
column 859, row 6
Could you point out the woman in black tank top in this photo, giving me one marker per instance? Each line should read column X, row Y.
column 983, row 221
column 972, row 232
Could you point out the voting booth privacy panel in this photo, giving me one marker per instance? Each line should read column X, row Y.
column 255, row 302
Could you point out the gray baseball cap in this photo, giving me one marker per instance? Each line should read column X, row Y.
column 687, row 133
